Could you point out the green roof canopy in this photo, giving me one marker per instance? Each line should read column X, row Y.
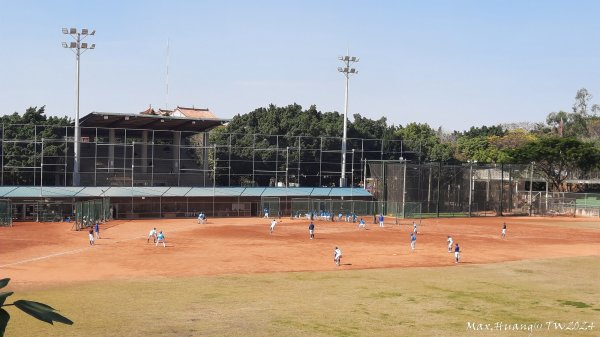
column 161, row 191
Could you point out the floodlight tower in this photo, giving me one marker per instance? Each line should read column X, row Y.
column 347, row 71
column 78, row 48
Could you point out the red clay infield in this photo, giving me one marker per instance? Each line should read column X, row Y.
column 45, row 254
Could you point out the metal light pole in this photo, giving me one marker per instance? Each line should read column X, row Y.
column 471, row 162
column 531, row 188
column 78, row 47
column 347, row 71
column 287, row 162
column 403, row 189
column 42, row 170
column 352, row 172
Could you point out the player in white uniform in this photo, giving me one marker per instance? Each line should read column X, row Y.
column 450, row 242
column 504, row 230
column 91, row 236
column 337, row 256
column 273, row 224
column 152, row 235
column 414, row 227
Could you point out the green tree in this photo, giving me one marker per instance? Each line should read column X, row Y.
column 22, row 146
column 40, row 311
column 363, row 127
column 557, row 157
column 573, row 124
column 582, row 102
column 421, row 139
column 495, row 130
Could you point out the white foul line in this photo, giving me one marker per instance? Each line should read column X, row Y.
column 43, row 257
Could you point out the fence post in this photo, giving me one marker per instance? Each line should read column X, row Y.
column 501, row 187
column 438, row 189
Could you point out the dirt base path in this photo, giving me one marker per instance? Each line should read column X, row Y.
column 46, row 254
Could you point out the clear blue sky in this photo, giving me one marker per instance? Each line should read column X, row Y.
column 453, row 64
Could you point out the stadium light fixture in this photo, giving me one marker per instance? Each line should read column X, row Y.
column 78, row 47
column 347, row 71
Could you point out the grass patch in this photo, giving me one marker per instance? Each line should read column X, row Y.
column 575, row 304
column 380, row 302
column 386, row 294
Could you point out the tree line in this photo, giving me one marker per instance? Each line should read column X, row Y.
column 565, row 143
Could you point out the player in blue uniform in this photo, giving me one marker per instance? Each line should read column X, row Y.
column 456, row 253
column 160, row 238
column 97, row 230
column 413, row 241
column 311, row 230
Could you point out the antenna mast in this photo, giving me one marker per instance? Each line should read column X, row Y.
column 167, row 79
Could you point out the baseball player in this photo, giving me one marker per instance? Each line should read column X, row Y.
column 97, row 230
column 160, row 238
column 311, row 230
column 361, row 224
column 337, row 256
column 413, row 241
column 456, row 253
column 152, row 235
column 91, row 235
column 201, row 217
column 450, row 243
column 415, row 227
column 504, row 230
column 380, row 220
column 273, row 224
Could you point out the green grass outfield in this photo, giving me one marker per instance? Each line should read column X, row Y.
column 378, row 302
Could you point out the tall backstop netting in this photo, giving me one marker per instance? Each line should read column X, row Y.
column 333, row 209
column 411, row 190
column 88, row 212
column 5, row 213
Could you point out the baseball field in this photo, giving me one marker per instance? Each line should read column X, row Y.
column 231, row 277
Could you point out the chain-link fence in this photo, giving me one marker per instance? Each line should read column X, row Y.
column 5, row 213
column 87, row 213
column 333, row 209
column 48, row 211
column 411, row 190
column 271, row 207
